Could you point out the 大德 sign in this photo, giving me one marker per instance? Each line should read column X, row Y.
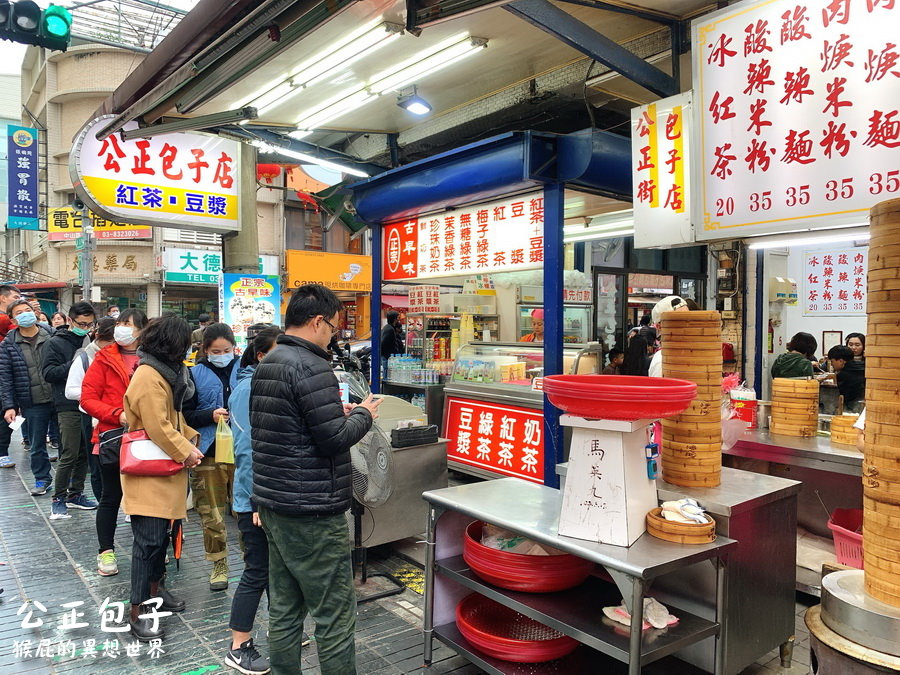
column 203, row 266
column 186, row 180
column 797, row 113
column 495, row 237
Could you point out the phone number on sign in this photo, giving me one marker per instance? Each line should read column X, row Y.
column 879, row 183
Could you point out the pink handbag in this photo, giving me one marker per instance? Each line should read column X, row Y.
column 142, row 457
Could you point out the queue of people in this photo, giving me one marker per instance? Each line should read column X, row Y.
column 143, row 424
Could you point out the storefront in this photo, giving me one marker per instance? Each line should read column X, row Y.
column 490, row 215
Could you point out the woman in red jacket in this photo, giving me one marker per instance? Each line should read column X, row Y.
column 102, row 394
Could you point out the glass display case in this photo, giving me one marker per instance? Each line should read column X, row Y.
column 576, row 322
column 429, row 337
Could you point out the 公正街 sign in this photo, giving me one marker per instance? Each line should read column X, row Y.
column 186, row 180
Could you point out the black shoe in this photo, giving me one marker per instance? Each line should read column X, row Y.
column 142, row 629
column 170, row 603
column 247, row 660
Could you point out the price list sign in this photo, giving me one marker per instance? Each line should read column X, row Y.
column 798, row 108
column 834, row 282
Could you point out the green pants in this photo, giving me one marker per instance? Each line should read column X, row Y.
column 211, row 485
column 310, row 572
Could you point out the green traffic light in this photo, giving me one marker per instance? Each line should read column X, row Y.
column 57, row 21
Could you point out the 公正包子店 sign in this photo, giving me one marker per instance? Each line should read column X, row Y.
column 834, row 282
column 186, row 180
column 500, row 438
column 64, row 224
column 798, row 110
column 660, row 172
column 498, row 236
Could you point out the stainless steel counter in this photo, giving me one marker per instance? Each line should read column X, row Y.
column 817, row 452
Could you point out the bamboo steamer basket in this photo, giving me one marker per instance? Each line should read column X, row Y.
column 789, row 385
column 882, row 390
column 877, row 512
column 883, row 412
column 797, row 431
column 880, row 468
column 881, row 445
column 688, row 446
column 708, row 316
column 842, row 430
column 680, row 533
column 883, row 323
column 882, row 490
column 695, row 479
column 888, row 340
column 689, row 464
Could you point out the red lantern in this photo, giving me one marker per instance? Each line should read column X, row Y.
column 267, row 172
column 309, row 202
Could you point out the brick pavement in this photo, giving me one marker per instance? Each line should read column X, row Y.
column 53, row 562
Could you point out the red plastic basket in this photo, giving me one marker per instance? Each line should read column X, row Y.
column 619, row 397
column 848, row 543
column 519, row 572
column 503, row 633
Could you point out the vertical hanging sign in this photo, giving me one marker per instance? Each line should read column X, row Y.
column 660, row 147
column 22, row 155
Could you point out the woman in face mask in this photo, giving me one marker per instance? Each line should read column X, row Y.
column 102, row 393
column 215, row 377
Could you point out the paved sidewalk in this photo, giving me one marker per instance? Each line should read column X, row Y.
column 53, row 563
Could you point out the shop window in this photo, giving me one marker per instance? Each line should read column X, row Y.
column 646, row 259
column 303, row 232
column 688, row 259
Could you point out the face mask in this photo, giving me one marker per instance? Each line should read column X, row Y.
column 81, row 332
column 220, row 360
column 26, row 319
column 114, row 315
column 124, row 335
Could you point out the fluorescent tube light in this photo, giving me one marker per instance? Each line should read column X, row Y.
column 338, row 57
column 809, row 238
column 310, row 159
column 610, row 234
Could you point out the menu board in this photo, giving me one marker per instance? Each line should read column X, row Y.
column 834, row 282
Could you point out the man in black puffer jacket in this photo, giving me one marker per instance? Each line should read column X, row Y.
column 72, row 468
column 302, row 435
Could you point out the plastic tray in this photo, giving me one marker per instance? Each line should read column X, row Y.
column 619, row 397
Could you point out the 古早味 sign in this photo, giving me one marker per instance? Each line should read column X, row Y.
column 798, row 112
column 186, row 180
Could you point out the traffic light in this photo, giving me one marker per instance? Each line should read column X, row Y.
column 23, row 21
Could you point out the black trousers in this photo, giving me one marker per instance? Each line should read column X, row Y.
column 87, row 430
column 5, row 438
column 108, row 510
column 255, row 578
column 148, row 555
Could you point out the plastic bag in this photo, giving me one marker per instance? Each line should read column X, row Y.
column 224, row 443
column 504, row 540
column 733, row 427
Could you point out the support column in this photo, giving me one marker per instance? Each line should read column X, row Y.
column 375, row 307
column 554, row 197
column 240, row 251
column 154, row 299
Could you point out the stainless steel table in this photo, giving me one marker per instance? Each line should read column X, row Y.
column 533, row 511
column 817, row 452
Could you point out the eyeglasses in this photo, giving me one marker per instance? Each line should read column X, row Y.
column 89, row 324
column 334, row 329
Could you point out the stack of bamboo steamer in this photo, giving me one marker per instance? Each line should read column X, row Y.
column 692, row 441
column 795, row 407
column 842, row 430
column 881, row 464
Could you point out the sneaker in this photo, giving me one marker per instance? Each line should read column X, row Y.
column 40, row 488
column 53, row 458
column 58, row 510
column 106, row 564
column 26, row 445
column 304, row 640
column 127, row 518
column 218, row 578
column 81, row 502
column 7, row 463
column 54, row 445
column 247, row 659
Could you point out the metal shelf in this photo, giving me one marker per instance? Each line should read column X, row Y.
column 577, row 613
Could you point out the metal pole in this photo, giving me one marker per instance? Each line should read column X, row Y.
column 428, row 618
column 554, row 254
column 87, row 259
column 375, row 308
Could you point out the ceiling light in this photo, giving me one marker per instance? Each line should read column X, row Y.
column 311, row 159
column 339, row 56
column 809, row 238
column 609, row 234
column 414, row 103
column 400, row 75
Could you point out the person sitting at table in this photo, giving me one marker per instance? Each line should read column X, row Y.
column 857, row 344
column 850, row 376
column 797, row 361
column 537, row 327
column 616, row 358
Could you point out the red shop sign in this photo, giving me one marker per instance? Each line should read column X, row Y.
column 499, row 438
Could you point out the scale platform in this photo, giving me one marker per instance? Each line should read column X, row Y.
column 852, row 613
